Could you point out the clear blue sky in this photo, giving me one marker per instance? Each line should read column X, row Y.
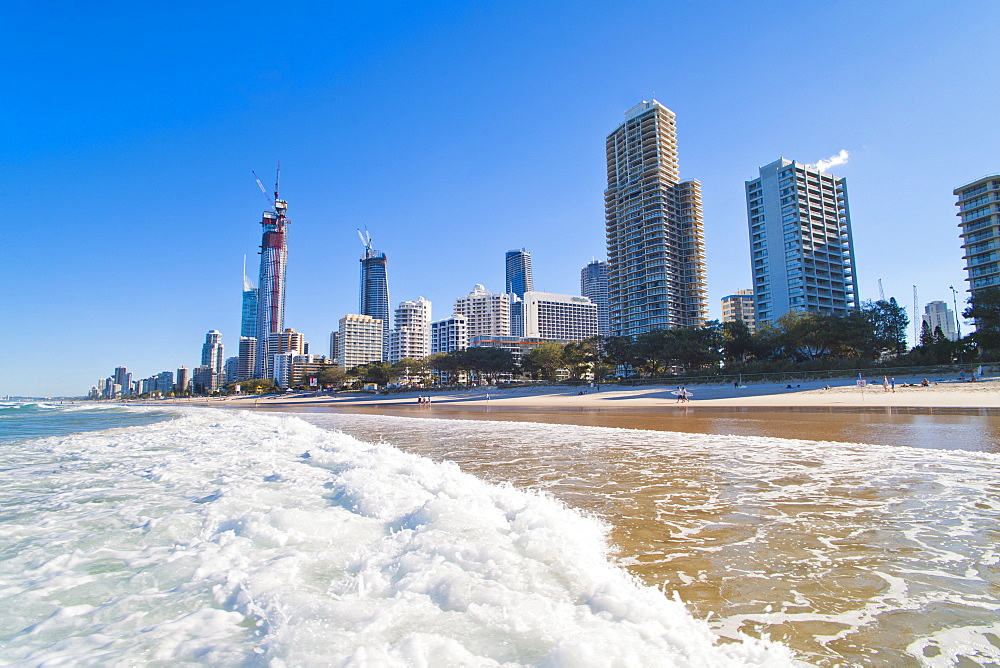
column 454, row 132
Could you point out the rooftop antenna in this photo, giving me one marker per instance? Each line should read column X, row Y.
column 277, row 181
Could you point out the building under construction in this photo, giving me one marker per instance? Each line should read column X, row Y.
column 271, row 286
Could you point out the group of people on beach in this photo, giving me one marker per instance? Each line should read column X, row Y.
column 683, row 395
column 423, row 400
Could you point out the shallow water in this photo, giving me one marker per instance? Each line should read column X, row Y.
column 849, row 553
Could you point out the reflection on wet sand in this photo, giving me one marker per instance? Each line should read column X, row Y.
column 848, row 553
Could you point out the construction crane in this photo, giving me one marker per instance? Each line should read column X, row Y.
column 881, row 292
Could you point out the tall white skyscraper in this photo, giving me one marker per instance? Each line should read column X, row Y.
column 213, row 352
column 801, row 248
column 656, row 243
column 937, row 314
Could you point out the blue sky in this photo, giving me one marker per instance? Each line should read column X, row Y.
column 454, row 132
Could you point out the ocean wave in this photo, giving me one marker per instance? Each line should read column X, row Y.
column 228, row 537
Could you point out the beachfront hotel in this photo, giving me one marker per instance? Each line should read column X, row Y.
column 938, row 315
column 801, row 248
column 450, row 334
column 979, row 218
column 655, row 235
column 411, row 339
column 553, row 316
column 594, row 286
column 359, row 340
column 486, row 313
column 738, row 307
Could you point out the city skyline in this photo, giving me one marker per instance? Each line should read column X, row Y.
column 192, row 115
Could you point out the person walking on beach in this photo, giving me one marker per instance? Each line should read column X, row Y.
column 892, row 384
column 885, row 383
column 680, row 394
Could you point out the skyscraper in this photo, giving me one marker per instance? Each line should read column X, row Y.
column 374, row 300
column 486, row 314
column 213, row 357
column 271, row 286
column 937, row 314
column 801, row 248
column 979, row 218
column 656, row 243
column 411, row 337
column 248, row 322
column 594, row 285
column 519, row 280
column 359, row 341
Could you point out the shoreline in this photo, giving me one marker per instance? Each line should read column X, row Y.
column 812, row 396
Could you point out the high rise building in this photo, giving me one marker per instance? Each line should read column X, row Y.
column 183, row 380
column 561, row 317
column 594, row 286
column 359, row 340
column 213, row 352
column 374, row 300
column 121, row 373
column 411, row 338
column 656, row 243
column 937, row 314
column 165, row 382
column 248, row 358
column 801, row 248
column 449, row 334
column 282, row 342
column 248, row 320
column 519, row 280
column 486, row 314
column 979, row 219
column 271, row 285
column 738, row 307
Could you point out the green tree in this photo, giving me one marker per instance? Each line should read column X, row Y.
column 489, row 363
column 984, row 308
column 926, row 336
column 620, row 351
column 737, row 342
column 888, row 322
column 254, row 386
column 544, row 360
column 332, row 376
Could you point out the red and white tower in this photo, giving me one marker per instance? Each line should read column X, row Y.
column 271, row 290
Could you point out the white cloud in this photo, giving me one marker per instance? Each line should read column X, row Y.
column 832, row 161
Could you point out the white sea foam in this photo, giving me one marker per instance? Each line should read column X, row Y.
column 231, row 538
column 870, row 550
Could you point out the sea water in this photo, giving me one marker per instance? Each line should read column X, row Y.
column 851, row 554
column 230, row 538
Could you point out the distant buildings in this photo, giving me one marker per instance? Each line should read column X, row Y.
column 486, row 313
column 656, row 247
column 802, row 252
column 937, row 314
column 271, row 286
column 359, row 340
column 594, row 286
column 739, row 307
column 553, row 316
column 374, row 300
column 979, row 219
column 519, row 279
column 411, row 338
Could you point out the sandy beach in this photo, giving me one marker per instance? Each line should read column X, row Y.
column 841, row 394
